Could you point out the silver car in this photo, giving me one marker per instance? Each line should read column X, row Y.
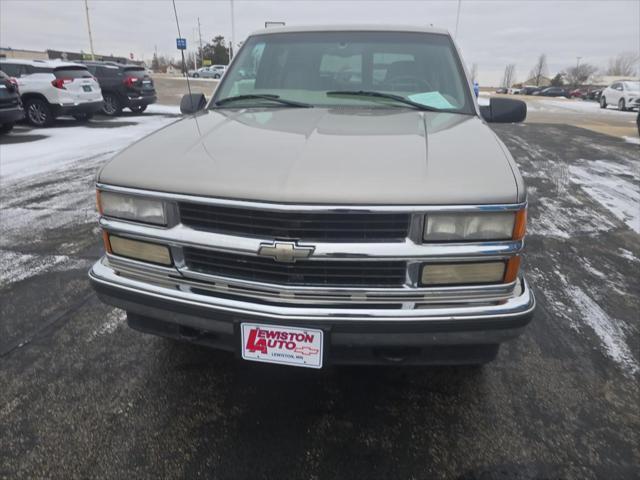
column 340, row 199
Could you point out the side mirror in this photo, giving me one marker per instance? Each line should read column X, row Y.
column 504, row 110
column 192, row 103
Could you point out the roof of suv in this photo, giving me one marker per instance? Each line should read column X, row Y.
column 41, row 63
column 352, row 28
column 112, row 64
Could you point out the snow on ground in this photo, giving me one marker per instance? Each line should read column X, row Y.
column 65, row 145
column 46, row 184
column 633, row 140
column 612, row 185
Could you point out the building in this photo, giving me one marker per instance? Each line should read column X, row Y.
column 544, row 81
column 62, row 55
column 20, row 54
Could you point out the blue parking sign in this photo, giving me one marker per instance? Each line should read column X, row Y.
column 181, row 43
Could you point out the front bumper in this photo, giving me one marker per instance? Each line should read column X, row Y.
column 215, row 318
column 11, row 115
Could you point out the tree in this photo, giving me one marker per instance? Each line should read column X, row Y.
column 624, row 65
column 539, row 70
column 557, row 81
column 155, row 65
column 217, row 51
column 580, row 74
column 509, row 77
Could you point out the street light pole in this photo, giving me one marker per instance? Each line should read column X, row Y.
column 232, row 33
column 201, row 51
column 578, row 62
column 86, row 7
column 457, row 19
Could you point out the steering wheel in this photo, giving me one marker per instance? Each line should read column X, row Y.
column 410, row 80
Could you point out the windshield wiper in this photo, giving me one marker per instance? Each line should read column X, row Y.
column 389, row 96
column 266, row 96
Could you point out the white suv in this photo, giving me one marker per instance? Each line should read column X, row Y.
column 53, row 88
column 625, row 94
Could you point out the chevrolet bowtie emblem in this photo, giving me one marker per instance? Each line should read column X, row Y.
column 286, row 252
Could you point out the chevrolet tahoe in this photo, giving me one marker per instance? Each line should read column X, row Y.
column 340, row 199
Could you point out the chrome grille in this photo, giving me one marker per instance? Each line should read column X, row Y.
column 304, row 272
column 332, row 227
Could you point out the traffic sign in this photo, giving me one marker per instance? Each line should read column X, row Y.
column 181, row 43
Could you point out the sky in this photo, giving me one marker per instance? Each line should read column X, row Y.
column 490, row 33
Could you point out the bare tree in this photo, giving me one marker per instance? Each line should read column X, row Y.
column 509, row 77
column 624, row 65
column 474, row 72
column 539, row 70
column 580, row 74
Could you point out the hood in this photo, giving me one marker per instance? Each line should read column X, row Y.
column 319, row 155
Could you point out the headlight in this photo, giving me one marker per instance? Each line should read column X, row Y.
column 130, row 207
column 463, row 227
column 144, row 251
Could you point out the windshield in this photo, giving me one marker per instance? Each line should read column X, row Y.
column 421, row 67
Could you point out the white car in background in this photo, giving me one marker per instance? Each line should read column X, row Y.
column 625, row 94
column 51, row 88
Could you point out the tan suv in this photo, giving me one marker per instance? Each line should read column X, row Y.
column 339, row 200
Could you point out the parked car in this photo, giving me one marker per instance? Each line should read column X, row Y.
column 214, row 71
column 529, row 90
column 578, row 93
column 51, row 88
column 625, row 94
column 514, row 90
column 11, row 109
column 338, row 248
column 552, row 92
column 123, row 86
column 502, row 90
column 594, row 94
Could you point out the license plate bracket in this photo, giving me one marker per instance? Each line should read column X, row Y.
column 282, row 345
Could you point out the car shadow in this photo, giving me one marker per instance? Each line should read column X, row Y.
column 13, row 139
column 93, row 123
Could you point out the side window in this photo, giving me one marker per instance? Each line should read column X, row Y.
column 10, row 69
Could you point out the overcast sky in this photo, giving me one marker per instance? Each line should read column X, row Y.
column 490, row 33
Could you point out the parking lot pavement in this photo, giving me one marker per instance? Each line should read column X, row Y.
column 83, row 396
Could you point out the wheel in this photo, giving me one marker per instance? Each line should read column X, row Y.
column 196, row 75
column 38, row 112
column 111, row 105
column 603, row 102
column 621, row 105
column 6, row 127
column 216, row 76
column 83, row 117
column 138, row 108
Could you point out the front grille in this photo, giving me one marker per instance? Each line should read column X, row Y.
column 333, row 227
column 305, row 272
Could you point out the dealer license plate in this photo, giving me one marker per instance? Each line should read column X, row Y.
column 299, row 347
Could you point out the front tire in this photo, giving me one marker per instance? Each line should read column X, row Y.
column 6, row 127
column 38, row 112
column 138, row 108
column 603, row 102
column 195, row 75
column 621, row 105
column 112, row 106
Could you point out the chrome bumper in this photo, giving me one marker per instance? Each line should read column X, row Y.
column 409, row 324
